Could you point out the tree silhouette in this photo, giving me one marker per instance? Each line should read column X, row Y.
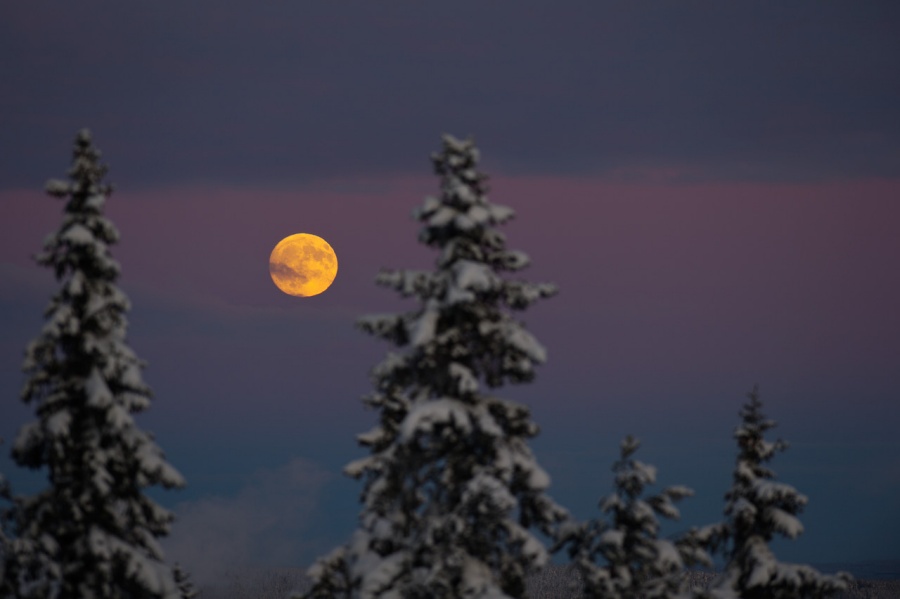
column 452, row 489
column 621, row 556
column 757, row 509
column 92, row 532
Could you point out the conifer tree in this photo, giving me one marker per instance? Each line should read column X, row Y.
column 92, row 532
column 6, row 587
column 451, row 489
column 757, row 509
column 186, row 586
column 621, row 556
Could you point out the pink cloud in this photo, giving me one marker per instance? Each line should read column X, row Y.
column 677, row 279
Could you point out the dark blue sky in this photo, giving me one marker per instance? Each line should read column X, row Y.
column 287, row 92
column 713, row 186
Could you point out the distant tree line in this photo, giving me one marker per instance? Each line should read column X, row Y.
column 453, row 497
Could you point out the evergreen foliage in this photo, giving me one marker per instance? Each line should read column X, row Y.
column 6, row 547
column 451, row 488
column 92, row 532
column 757, row 509
column 186, row 586
column 622, row 556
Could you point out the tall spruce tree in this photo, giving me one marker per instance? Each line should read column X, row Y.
column 451, row 488
column 757, row 509
column 92, row 532
column 621, row 556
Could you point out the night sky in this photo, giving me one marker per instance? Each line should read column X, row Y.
column 715, row 188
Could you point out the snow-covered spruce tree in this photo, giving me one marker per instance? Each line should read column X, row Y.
column 93, row 532
column 757, row 508
column 621, row 556
column 451, row 487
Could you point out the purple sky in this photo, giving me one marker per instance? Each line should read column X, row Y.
column 714, row 188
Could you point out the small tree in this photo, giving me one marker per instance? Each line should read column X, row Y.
column 186, row 586
column 92, row 532
column 451, row 487
column 623, row 557
column 757, row 508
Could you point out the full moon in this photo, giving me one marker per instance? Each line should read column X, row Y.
column 303, row 265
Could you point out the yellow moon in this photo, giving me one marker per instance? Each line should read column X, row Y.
column 303, row 265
